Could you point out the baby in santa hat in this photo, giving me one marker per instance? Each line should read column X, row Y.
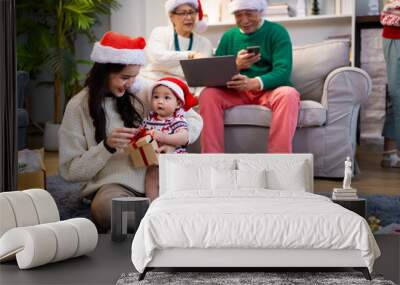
column 170, row 98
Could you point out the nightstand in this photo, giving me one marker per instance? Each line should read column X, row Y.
column 358, row 206
column 121, row 207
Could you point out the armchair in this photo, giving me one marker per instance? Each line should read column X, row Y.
column 331, row 95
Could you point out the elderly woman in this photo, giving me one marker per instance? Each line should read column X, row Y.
column 165, row 48
column 169, row 44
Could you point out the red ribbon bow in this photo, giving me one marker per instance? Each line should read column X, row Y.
column 142, row 133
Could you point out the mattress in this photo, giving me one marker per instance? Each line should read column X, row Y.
column 251, row 219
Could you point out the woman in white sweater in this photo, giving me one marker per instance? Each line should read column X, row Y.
column 99, row 123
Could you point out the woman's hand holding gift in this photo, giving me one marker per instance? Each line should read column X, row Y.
column 120, row 137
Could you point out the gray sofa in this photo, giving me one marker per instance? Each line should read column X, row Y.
column 331, row 95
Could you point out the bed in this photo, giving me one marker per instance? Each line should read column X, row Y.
column 247, row 211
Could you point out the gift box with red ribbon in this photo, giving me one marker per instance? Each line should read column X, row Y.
column 142, row 149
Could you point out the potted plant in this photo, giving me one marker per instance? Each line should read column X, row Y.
column 47, row 31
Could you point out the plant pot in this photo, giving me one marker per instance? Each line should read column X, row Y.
column 50, row 139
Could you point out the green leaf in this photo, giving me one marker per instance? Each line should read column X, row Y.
column 84, row 61
column 47, row 31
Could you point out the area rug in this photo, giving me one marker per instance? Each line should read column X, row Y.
column 244, row 278
column 384, row 207
column 66, row 196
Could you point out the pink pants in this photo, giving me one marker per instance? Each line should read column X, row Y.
column 283, row 101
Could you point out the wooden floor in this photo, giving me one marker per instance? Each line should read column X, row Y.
column 372, row 179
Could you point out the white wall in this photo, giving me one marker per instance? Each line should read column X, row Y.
column 301, row 33
column 138, row 17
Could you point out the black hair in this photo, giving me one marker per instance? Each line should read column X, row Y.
column 97, row 83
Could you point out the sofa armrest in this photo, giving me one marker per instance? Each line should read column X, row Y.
column 344, row 89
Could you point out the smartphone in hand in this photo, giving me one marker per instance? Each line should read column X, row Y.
column 253, row 49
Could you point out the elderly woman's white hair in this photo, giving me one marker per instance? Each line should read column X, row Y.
column 170, row 6
column 236, row 5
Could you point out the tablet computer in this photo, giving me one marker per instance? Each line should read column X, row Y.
column 210, row 71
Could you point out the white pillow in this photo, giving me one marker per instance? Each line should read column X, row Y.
column 186, row 173
column 281, row 174
column 183, row 177
column 223, row 179
column 290, row 180
column 228, row 179
column 251, row 178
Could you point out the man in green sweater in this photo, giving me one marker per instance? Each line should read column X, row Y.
column 264, row 79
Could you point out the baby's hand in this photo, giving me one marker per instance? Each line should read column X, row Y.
column 166, row 149
column 158, row 136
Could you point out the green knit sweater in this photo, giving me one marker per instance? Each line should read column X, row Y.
column 275, row 66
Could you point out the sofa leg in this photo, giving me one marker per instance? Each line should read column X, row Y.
column 364, row 271
column 143, row 274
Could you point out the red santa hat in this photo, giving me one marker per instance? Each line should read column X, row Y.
column 236, row 5
column 201, row 24
column 180, row 89
column 118, row 48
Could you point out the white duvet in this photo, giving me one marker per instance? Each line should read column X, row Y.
column 250, row 219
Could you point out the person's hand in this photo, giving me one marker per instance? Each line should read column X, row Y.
column 158, row 135
column 244, row 59
column 166, row 149
column 120, row 137
column 195, row 54
column 241, row 83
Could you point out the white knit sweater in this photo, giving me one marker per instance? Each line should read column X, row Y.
column 162, row 58
column 82, row 159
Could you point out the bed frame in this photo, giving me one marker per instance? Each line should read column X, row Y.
column 245, row 258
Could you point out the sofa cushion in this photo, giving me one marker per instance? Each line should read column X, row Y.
column 251, row 115
column 312, row 63
column 312, row 114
